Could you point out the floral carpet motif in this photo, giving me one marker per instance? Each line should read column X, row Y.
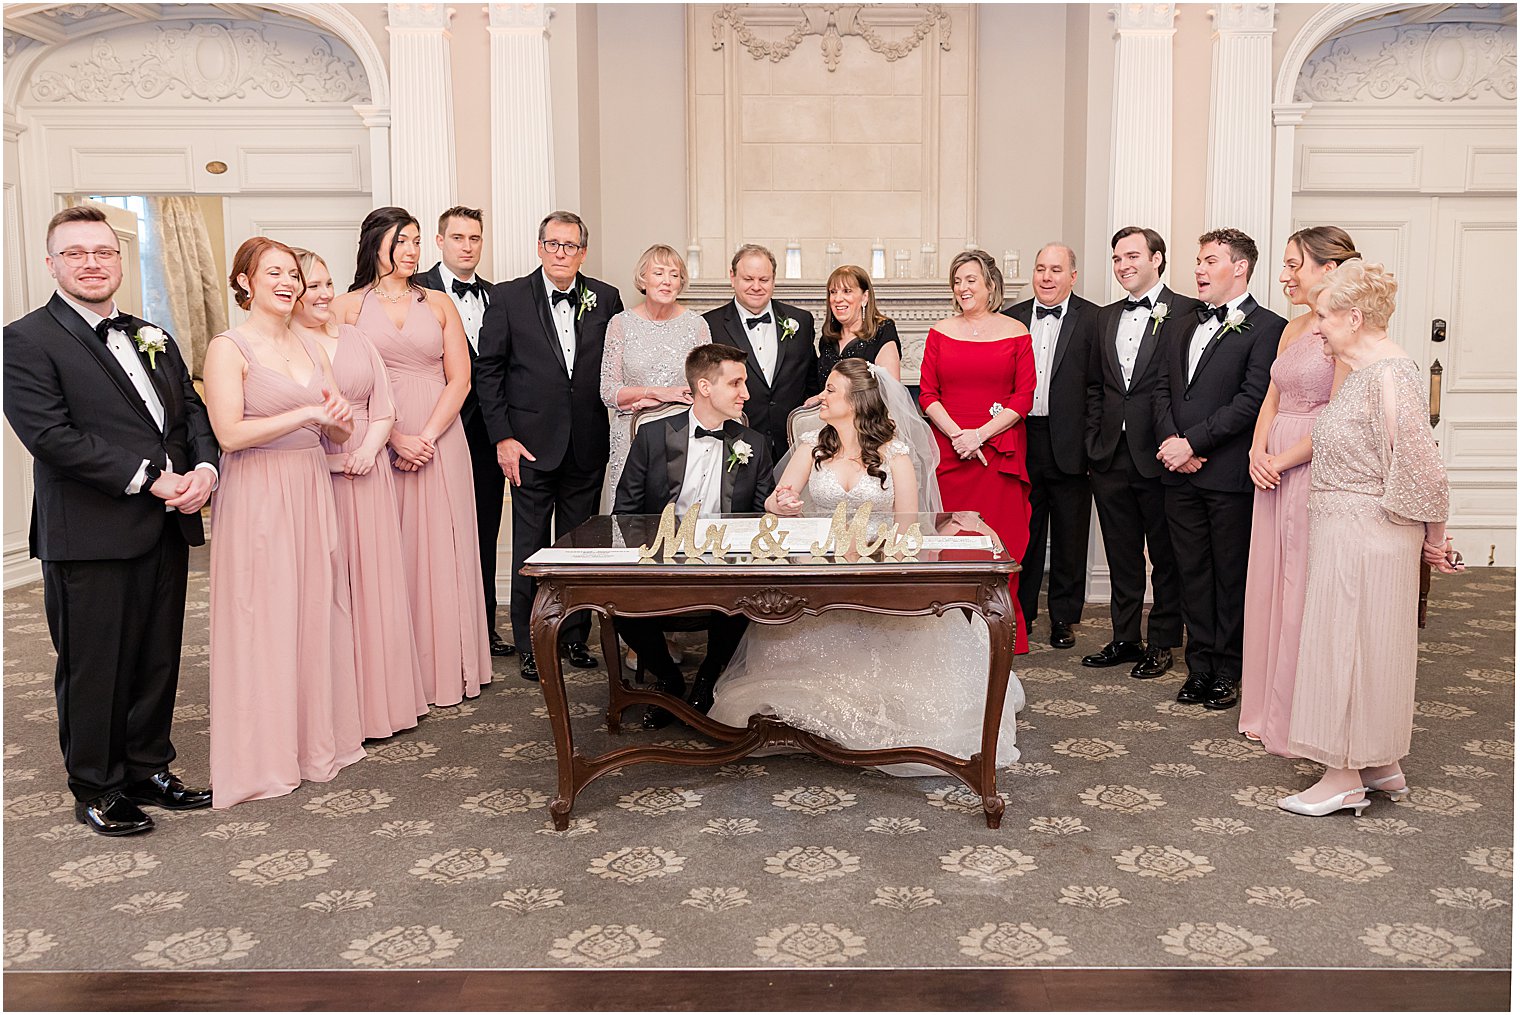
column 1139, row 832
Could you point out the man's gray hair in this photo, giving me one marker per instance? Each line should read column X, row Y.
column 569, row 218
column 1071, row 255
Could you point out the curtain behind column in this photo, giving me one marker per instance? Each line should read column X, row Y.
column 194, row 292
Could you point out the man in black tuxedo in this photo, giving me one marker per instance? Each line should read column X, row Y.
column 460, row 241
column 776, row 338
column 538, row 377
column 1216, row 374
column 1061, row 327
column 705, row 456
column 1124, row 367
column 124, row 459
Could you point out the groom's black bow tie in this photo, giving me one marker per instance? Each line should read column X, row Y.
column 1204, row 312
column 557, row 297
column 465, row 288
column 704, row 432
column 1144, row 303
column 765, row 318
column 1054, row 311
column 121, row 322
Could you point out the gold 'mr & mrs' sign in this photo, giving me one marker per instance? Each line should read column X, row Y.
column 848, row 537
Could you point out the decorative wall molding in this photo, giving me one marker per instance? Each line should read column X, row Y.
column 831, row 22
column 1443, row 63
column 531, row 16
column 206, row 62
column 427, row 17
column 1138, row 18
column 1257, row 17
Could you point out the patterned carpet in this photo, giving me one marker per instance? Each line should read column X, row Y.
column 1138, row 833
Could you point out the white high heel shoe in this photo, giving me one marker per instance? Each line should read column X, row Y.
column 1330, row 806
column 1376, row 786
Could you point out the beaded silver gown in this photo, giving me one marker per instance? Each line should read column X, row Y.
column 867, row 681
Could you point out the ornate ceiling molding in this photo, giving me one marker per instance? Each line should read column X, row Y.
column 1443, row 63
column 908, row 26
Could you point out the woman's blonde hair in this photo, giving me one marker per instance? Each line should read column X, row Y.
column 991, row 274
column 1369, row 288
column 660, row 253
column 307, row 260
column 871, row 319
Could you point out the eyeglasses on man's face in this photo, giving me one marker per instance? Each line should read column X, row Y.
column 558, row 246
column 76, row 256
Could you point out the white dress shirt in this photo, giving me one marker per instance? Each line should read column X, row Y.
column 1045, row 333
column 125, row 353
column 564, row 320
column 704, row 471
column 472, row 306
column 1203, row 334
column 762, row 338
column 1133, row 327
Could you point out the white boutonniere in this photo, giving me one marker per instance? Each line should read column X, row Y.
column 739, row 453
column 1158, row 316
column 1235, row 320
column 994, row 409
column 588, row 302
column 789, row 328
column 152, row 341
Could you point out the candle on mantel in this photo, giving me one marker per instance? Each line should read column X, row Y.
column 878, row 260
column 970, row 244
column 793, row 259
column 928, row 263
column 1011, row 265
column 833, row 255
column 902, row 259
column 694, row 260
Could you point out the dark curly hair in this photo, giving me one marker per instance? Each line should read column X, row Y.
column 371, row 235
column 873, row 424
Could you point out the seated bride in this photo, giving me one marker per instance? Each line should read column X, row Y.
column 863, row 680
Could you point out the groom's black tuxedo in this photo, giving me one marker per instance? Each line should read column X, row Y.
column 114, row 564
column 657, row 466
column 490, row 484
column 794, row 379
column 528, row 392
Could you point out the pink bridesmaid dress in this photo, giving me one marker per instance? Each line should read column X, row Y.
column 284, row 700
column 436, row 507
column 1277, row 575
column 391, row 695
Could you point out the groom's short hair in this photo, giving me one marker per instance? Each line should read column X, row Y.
column 706, row 361
column 76, row 213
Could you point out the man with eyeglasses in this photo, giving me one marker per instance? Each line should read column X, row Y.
column 123, row 460
column 538, row 378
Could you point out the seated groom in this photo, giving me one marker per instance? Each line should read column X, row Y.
column 703, row 455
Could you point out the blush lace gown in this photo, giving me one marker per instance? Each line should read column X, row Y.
column 867, row 681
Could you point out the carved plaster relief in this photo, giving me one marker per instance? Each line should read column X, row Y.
column 832, row 23
column 1444, row 63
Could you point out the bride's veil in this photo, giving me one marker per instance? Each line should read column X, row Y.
column 912, row 430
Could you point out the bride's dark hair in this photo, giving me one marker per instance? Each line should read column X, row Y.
column 873, row 424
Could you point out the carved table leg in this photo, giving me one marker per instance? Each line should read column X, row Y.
column 614, row 660
column 548, row 613
column 997, row 608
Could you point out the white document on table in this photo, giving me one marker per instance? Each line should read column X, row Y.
column 585, row 555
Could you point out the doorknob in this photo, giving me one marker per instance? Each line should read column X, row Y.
column 1438, row 330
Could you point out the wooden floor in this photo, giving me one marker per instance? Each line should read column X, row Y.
column 762, row 990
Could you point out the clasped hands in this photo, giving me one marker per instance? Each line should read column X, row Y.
column 1177, row 455
column 1442, row 557
column 968, row 444
column 787, row 503
column 185, row 492
column 1264, row 471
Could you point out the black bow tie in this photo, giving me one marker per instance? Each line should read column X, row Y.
column 1040, row 312
column 1204, row 312
column 765, row 318
column 556, row 297
column 121, row 322
column 1141, row 304
column 704, row 432
column 465, row 288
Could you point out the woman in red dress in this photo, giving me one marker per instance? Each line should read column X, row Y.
column 976, row 385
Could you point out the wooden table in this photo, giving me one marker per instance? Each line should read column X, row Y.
column 766, row 593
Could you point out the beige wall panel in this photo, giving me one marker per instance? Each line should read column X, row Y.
column 788, row 119
column 880, row 120
column 867, row 214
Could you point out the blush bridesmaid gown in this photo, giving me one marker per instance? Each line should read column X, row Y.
column 436, row 507
column 284, row 700
column 968, row 378
column 391, row 696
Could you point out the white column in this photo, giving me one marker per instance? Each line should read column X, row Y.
column 1140, row 179
column 1239, row 191
column 422, row 176
column 1285, row 120
column 378, row 121
column 522, row 148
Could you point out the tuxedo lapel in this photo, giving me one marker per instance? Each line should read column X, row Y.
column 71, row 322
column 166, row 393
column 546, row 317
column 677, row 440
column 1247, row 307
column 739, row 338
column 1111, row 346
column 731, row 433
column 1068, row 325
column 1150, row 338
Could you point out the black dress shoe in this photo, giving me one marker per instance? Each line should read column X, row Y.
column 673, row 684
column 701, row 697
column 1114, row 653
column 1060, row 635
column 1223, row 692
column 499, row 647
column 528, row 667
column 163, row 789
column 112, row 814
column 1156, row 662
column 1196, row 689
column 579, row 655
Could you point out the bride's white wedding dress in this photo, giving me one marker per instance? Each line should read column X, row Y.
column 867, row 681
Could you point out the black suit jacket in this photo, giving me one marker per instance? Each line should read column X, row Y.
column 1114, row 410
column 1217, row 410
column 657, row 467
column 76, row 411
column 1068, row 379
column 469, row 411
column 796, row 373
column 521, row 379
